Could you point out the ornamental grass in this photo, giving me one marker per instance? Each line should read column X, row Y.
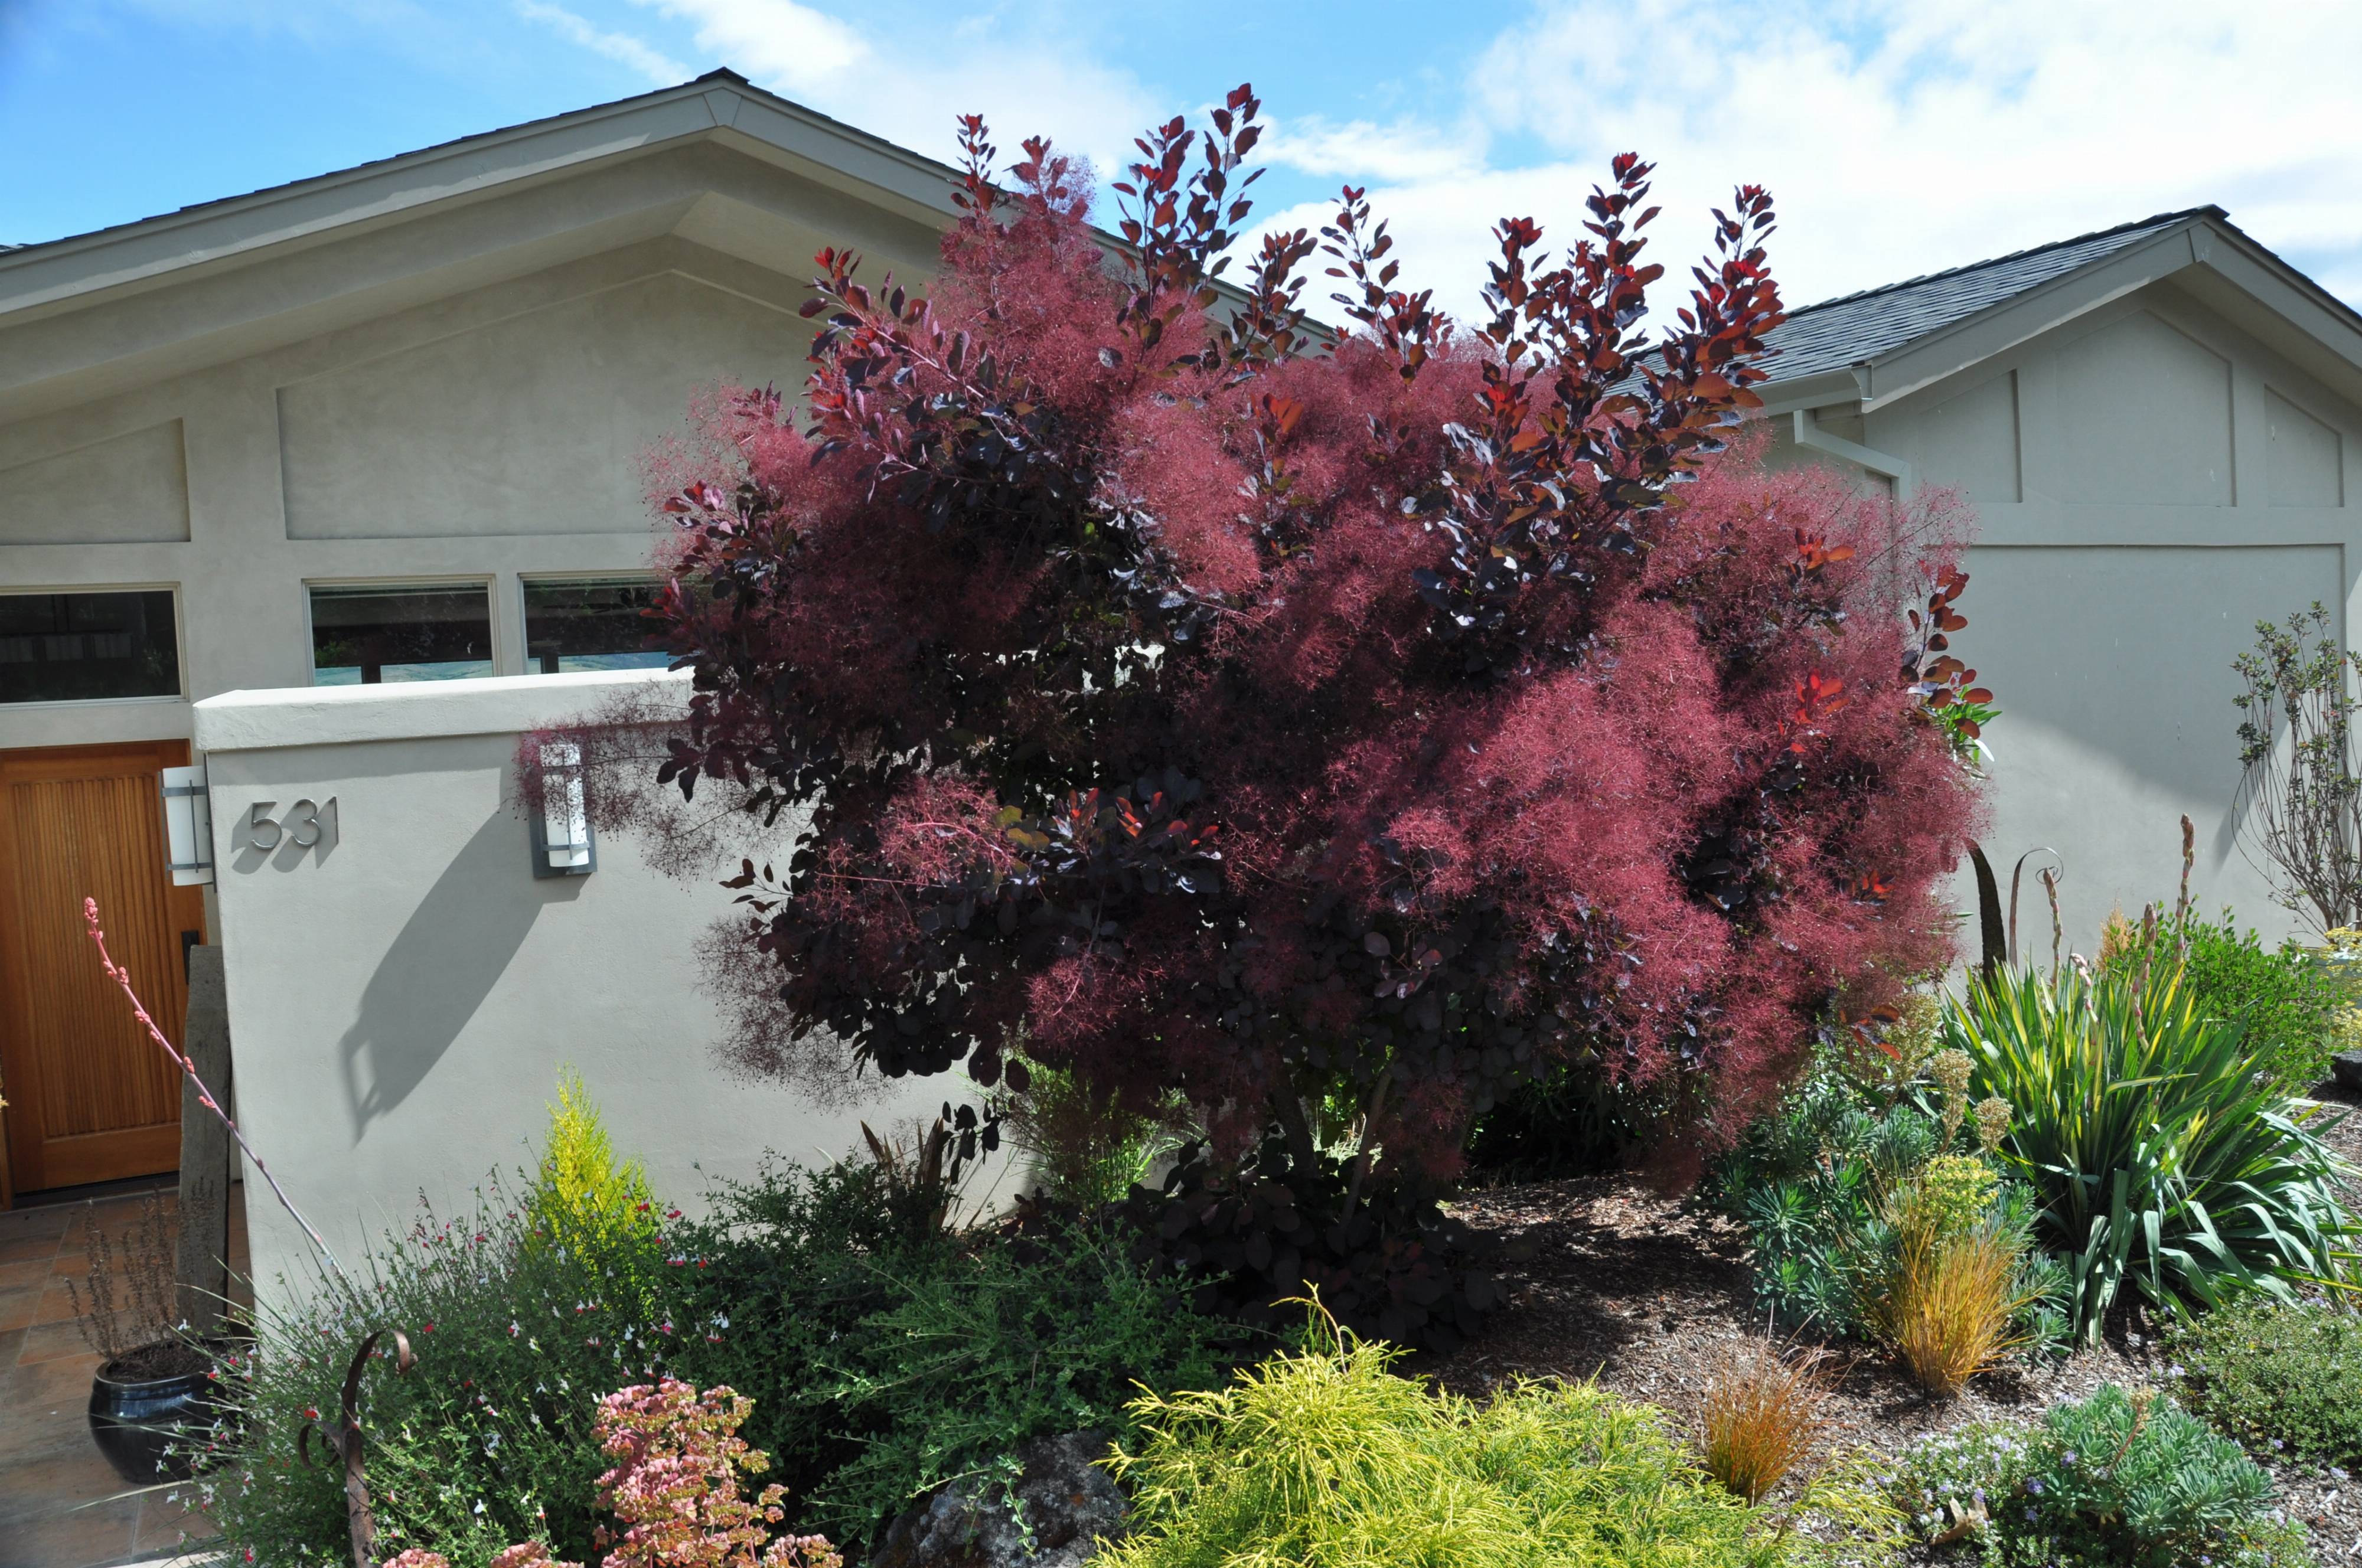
column 1950, row 1309
column 1761, row 1415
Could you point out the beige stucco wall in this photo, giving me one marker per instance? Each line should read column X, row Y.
column 2149, row 481
column 403, row 1000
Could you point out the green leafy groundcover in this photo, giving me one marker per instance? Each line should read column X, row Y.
column 885, row 1356
column 2117, row 1480
column 889, row 1357
column 2280, row 1378
column 1324, row 1458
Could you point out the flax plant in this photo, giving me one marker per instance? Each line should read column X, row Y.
column 2160, row 1156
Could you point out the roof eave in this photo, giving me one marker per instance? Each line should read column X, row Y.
column 63, row 272
column 1884, row 379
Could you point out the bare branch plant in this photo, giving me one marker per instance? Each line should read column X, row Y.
column 2296, row 743
column 124, row 1301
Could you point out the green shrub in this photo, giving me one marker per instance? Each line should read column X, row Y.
column 1013, row 1340
column 1084, row 1147
column 2157, row 1154
column 2282, row 1376
column 583, row 1197
column 488, row 1440
column 2287, row 1000
column 884, row 1354
column 1325, row 1458
column 2117, row 1480
column 887, row 1358
column 1840, row 1191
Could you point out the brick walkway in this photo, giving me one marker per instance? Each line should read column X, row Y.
column 61, row 1505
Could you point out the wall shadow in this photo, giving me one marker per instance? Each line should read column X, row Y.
column 450, row 953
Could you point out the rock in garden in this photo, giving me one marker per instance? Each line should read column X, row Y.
column 1067, row 1502
column 2347, row 1066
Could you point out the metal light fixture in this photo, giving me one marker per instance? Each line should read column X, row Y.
column 188, row 826
column 561, row 829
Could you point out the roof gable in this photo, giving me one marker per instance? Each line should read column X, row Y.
column 1884, row 343
column 715, row 162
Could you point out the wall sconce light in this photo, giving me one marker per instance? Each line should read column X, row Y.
column 188, row 826
column 561, row 829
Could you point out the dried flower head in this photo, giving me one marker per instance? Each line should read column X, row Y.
column 1992, row 1121
column 1950, row 1069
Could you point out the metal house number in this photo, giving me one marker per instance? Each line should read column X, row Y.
column 306, row 823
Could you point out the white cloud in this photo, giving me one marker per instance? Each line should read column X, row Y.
column 778, row 42
column 1897, row 136
column 1903, row 136
column 1024, row 83
column 1363, row 150
column 621, row 48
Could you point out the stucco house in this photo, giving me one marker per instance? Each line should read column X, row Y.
column 2155, row 428
column 383, row 427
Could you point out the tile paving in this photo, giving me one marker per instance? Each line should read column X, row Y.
column 61, row 1505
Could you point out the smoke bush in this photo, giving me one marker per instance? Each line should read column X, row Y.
column 1280, row 719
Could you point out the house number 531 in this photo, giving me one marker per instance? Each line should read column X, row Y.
column 304, row 824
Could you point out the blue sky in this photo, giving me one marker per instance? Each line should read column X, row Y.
column 1900, row 136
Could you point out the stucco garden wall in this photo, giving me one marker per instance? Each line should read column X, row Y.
column 402, row 1000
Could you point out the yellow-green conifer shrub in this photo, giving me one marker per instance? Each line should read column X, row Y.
column 1325, row 1459
column 582, row 1197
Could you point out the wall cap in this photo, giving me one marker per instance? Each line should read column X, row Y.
column 335, row 715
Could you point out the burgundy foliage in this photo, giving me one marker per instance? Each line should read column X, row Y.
column 1289, row 722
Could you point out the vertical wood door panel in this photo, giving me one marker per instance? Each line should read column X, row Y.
column 91, row 1099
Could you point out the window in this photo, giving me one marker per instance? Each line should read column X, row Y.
column 84, row 648
column 590, row 623
column 364, row 635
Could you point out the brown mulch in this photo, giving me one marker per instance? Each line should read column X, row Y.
column 1609, row 1279
column 2346, row 1136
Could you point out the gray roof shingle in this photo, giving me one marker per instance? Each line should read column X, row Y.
column 1855, row 327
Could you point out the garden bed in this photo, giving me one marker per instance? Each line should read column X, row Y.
column 1604, row 1278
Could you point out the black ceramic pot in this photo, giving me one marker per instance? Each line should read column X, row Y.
column 136, row 1423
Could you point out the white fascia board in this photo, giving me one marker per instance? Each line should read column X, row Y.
column 1996, row 330
column 60, row 274
column 142, row 252
column 2300, row 321
column 820, row 150
column 1845, row 384
column 334, row 715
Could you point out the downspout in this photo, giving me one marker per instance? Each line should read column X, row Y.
column 1810, row 434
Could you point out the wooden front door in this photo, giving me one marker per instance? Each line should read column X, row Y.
column 89, row 1097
